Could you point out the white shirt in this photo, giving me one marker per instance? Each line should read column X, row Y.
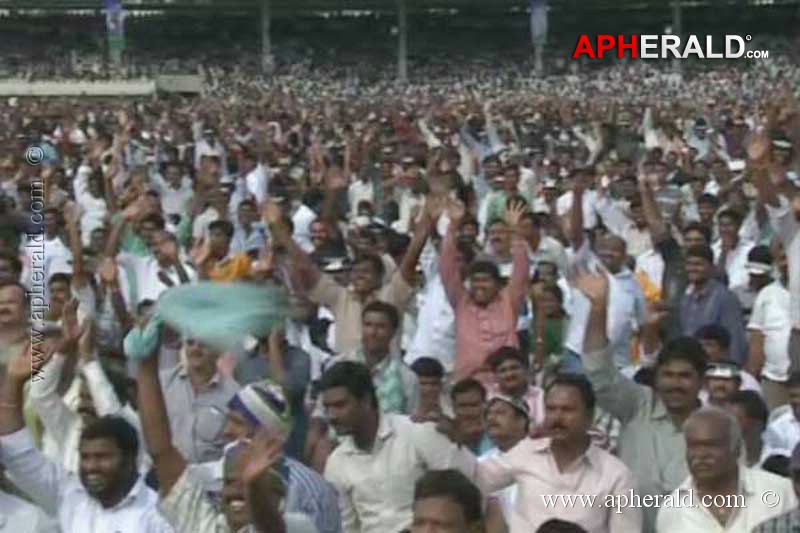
column 360, row 191
column 735, row 263
column 201, row 222
column 437, row 336
column 615, row 219
column 62, row 494
column 62, row 424
column 783, row 432
column 506, row 497
column 93, row 210
column 651, row 263
column 754, row 483
column 771, row 317
column 174, row 201
column 256, row 181
column 626, row 312
column 376, row 487
column 788, row 227
column 302, row 219
column 19, row 516
column 148, row 284
column 564, row 205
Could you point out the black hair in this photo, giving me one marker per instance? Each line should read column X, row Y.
column 248, row 201
column 387, row 310
column 224, row 226
column 698, row 227
column 703, row 251
column 780, row 465
column 375, row 262
column 707, row 198
column 732, row 214
column 686, row 349
column 467, row 385
column 60, row 276
column 576, row 381
column 501, row 355
column 555, row 525
column 428, row 367
column 716, row 333
column 117, row 429
column 156, row 219
column 484, row 267
column 13, row 261
column 355, row 377
column 455, row 486
column 753, row 405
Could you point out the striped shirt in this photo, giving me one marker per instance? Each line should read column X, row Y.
column 785, row 523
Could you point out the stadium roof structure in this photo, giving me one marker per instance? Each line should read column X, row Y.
column 353, row 7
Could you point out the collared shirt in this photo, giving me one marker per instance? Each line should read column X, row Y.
column 506, row 497
column 382, row 377
column 150, row 278
column 772, row 317
column 307, row 492
column 376, row 487
column 61, row 494
column 531, row 465
column 782, row 433
column 753, row 485
column 783, row 219
column 786, row 523
column 197, row 419
column 735, row 263
column 19, row 516
column 626, row 310
column 482, row 330
column 649, row 443
column 715, row 304
column 189, row 510
column 347, row 307
column 615, row 219
column 244, row 241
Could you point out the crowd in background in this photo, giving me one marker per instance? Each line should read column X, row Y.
column 498, row 288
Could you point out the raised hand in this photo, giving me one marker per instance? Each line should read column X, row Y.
column 456, row 211
column 759, row 150
column 593, row 286
column 107, row 270
column 271, row 213
column 514, row 213
column 263, row 452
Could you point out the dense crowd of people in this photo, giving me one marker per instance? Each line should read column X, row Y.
column 329, row 303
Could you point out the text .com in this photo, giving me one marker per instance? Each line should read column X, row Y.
column 681, row 499
column 666, row 47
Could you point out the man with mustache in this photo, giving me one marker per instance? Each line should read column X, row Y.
column 650, row 443
column 107, row 490
column 726, row 495
column 564, row 463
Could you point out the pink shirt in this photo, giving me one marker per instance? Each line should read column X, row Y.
column 482, row 330
column 531, row 465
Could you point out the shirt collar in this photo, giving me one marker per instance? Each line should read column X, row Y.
column 183, row 373
column 137, row 492
column 545, row 446
column 384, row 432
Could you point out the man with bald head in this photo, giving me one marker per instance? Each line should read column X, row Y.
column 721, row 493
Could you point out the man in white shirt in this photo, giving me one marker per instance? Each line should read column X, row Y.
column 175, row 189
column 381, row 456
column 107, row 494
column 783, row 430
column 730, row 252
column 770, row 328
column 725, row 495
column 19, row 516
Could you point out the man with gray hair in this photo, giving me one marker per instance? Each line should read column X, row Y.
column 721, row 493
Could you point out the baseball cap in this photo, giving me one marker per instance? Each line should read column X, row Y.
column 759, row 261
column 724, row 370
